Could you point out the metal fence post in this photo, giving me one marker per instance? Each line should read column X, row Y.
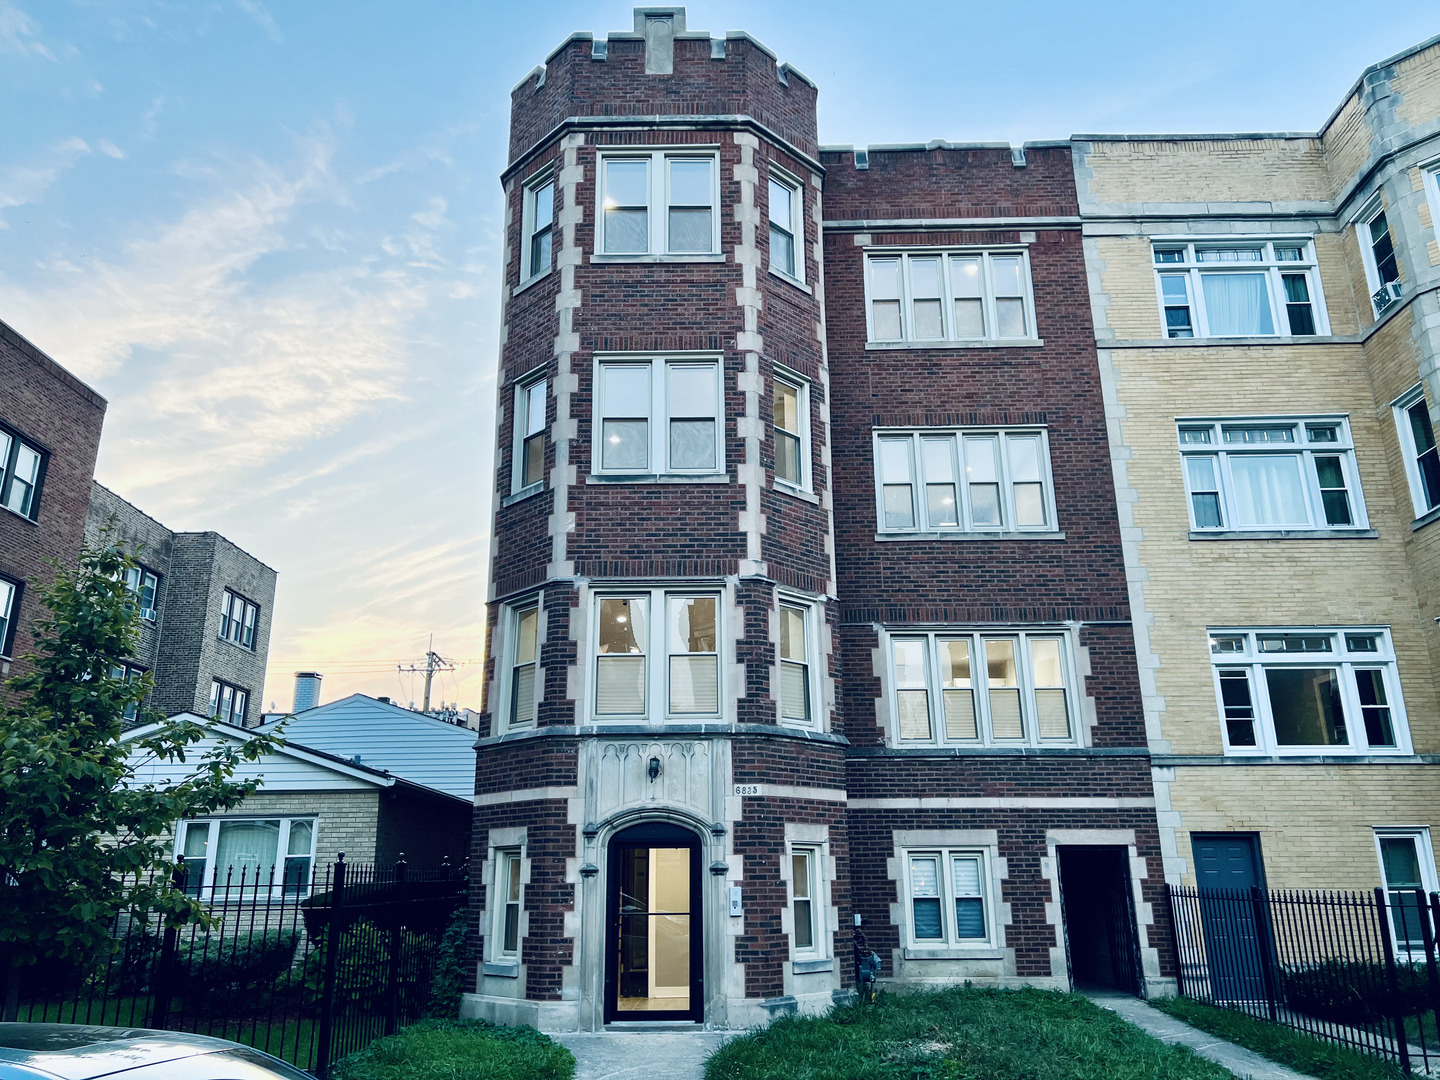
column 1397, row 1015
column 332, row 961
column 392, row 984
column 1263, row 945
column 1175, row 942
column 164, row 986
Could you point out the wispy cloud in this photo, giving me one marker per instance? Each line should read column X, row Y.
column 257, row 11
column 21, row 185
column 18, row 33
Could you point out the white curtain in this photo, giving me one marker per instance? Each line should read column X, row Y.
column 1268, row 490
column 1237, row 304
column 247, row 847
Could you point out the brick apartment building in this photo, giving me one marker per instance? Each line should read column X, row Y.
column 49, row 435
column 808, row 595
column 205, row 610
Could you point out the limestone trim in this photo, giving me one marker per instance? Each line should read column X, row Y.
column 939, row 802
column 750, row 426
column 567, row 343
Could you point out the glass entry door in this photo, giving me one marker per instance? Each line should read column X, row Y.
column 653, row 961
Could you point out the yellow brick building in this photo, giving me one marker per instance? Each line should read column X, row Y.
column 1268, row 328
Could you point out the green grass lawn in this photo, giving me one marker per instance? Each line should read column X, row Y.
column 459, row 1050
column 1300, row 1052
column 961, row 1033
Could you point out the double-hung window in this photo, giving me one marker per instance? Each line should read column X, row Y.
column 983, row 689
column 657, row 656
column 970, row 480
column 797, row 665
column 658, row 203
column 1265, row 474
column 539, row 221
column 791, row 421
column 127, row 673
column 234, row 859
column 9, row 613
column 657, row 416
column 228, row 703
column 238, row 617
column 142, row 584
column 22, row 468
column 948, row 900
column 522, row 683
column 1407, row 864
column 939, row 296
column 806, row 905
column 529, row 435
column 1239, row 288
column 506, row 909
column 1320, row 691
column 787, row 228
column 1377, row 251
column 1417, row 442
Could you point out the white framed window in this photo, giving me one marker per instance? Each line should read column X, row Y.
column 1377, row 252
column 530, row 428
column 941, row 295
column 791, row 420
column 238, row 617
column 522, row 688
column 1417, row 444
column 1407, row 863
column 959, row 687
column 799, row 662
column 538, row 217
column 507, row 906
column 966, row 480
column 657, row 415
column 657, row 655
column 22, row 468
column 143, row 584
column 228, row 703
column 786, row 210
column 1239, row 288
column 1266, row 473
column 659, row 202
column 807, row 905
column 127, row 673
column 9, row 613
column 1308, row 691
column 222, row 854
column 948, row 901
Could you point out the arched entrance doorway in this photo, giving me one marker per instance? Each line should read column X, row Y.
column 654, row 925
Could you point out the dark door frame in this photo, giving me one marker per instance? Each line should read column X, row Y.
column 654, row 834
column 1129, row 932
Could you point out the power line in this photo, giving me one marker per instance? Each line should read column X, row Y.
column 433, row 662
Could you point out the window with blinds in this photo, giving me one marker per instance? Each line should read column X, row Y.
column 948, row 899
column 683, row 636
column 525, row 625
column 982, row 688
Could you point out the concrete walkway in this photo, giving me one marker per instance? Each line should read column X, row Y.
column 642, row 1055
column 1245, row 1064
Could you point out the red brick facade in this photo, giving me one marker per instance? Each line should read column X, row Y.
column 556, row 788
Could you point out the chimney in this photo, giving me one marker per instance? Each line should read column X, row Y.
column 307, row 690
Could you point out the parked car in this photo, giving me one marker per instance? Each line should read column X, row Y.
column 80, row 1052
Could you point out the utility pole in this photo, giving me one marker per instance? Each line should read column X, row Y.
column 433, row 662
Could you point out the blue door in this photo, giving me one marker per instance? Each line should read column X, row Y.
column 1227, row 869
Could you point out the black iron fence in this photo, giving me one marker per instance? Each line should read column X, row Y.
column 307, row 970
column 1356, row 969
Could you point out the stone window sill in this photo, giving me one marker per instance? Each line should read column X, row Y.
column 227, row 641
column 887, row 538
column 1283, row 534
column 807, row 967
column 16, row 513
column 790, row 280
column 1425, row 519
column 979, row 952
column 983, row 343
column 530, row 281
column 505, row 970
column 796, row 493
column 660, row 478
column 646, row 260
column 522, row 495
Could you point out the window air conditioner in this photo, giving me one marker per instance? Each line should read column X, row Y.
column 1388, row 294
column 148, row 613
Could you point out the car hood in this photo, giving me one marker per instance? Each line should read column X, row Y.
column 79, row 1053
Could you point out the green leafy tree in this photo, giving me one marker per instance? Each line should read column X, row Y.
column 80, row 839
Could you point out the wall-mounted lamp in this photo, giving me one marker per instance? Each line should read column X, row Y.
column 654, row 770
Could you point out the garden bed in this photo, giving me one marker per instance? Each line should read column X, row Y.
column 459, row 1050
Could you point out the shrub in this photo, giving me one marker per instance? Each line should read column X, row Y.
column 459, row 1050
column 1357, row 992
column 454, row 972
column 215, row 967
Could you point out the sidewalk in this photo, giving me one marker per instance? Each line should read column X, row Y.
column 1245, row 1064
column 642, row 1055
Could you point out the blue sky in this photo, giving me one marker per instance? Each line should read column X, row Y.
column 269, row 234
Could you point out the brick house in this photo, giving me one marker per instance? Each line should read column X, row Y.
column 49, row 434
column 205, row 612
column 808, row 601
